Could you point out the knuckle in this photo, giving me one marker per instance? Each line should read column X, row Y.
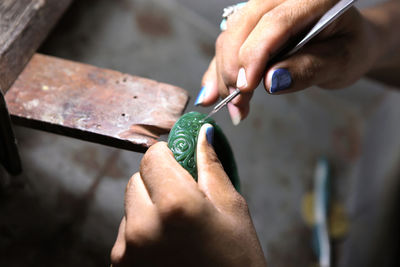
column 140, row 235
column 278, row 19
column 281, row 23
column 173, row 208
column 180, row 209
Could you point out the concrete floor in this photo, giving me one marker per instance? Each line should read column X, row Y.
column 66, row 206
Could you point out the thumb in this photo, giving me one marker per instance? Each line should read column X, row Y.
column 322, row 64
column 212, row 179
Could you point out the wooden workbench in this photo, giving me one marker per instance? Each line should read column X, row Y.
column 70, row 98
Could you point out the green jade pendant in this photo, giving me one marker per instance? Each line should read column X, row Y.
column 182, row 141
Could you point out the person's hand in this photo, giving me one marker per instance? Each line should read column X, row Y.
column 337, row 57
column 170, row 220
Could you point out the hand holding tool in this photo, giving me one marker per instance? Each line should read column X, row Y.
column 330, row 16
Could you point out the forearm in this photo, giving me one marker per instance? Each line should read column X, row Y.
column 385, row 23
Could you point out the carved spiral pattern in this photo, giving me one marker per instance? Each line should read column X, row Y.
column 183, row 147
column 182, row 141
column 183, row 138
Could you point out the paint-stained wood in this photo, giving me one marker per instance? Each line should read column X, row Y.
column 94, row 104
column 23, row 26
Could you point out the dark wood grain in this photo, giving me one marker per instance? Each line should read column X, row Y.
column 23, row 26
column 94, row 104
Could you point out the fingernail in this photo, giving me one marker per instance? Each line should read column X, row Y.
column 281, row 80
column 222, row 26
column 234, row 113
column 201, row 95
column 210, row 135
column 241, row 79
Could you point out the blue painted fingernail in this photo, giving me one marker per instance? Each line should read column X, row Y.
column 210, row 135
column 201, row 95
column 241, row 4
column 281, row 80
column 222, row 26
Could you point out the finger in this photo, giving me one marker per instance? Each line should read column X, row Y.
column 239, row 107
column 226, row 61
column 237, row 114
column 272, row 31
column 209, row 90
column 164, row 178
column 321, row 64
column 222, row 86
column 137, row 199
column 212, row 179
column 142, row 221
column 242, row 98
column 239, row 25
column 118, row 252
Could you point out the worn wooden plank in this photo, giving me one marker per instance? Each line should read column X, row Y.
column 94, row 104
column 23, row 26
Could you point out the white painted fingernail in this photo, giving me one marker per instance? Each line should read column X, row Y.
column 241, row 80
column 234, row 113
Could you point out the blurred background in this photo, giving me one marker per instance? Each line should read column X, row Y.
column 65, row 209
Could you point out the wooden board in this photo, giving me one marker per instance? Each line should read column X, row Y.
column 23, row 26
column 94, row 104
